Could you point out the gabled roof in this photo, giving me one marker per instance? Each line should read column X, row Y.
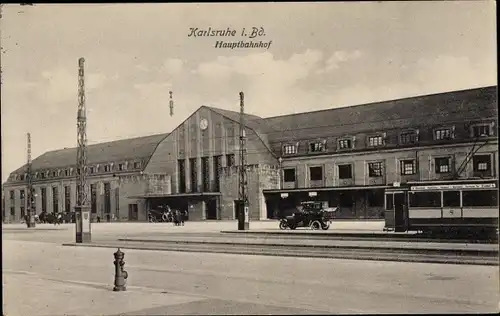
column 253, row 122
column 428, row 109
column 120, row 150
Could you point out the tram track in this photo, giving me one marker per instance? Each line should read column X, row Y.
column 443, row 256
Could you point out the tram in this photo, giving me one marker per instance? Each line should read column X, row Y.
column 443, row 207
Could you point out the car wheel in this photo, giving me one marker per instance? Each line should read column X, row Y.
column 315, row 225
column 283, row 225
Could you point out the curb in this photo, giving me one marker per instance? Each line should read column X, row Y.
column 370, row 257
column 365, row 236
column 353, row 247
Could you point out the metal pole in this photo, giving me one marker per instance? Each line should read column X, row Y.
column 82, row 208
column 30, row 218
column 243, row 218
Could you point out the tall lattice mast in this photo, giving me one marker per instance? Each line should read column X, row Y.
column 30, row 194
column 81, row 155
column 242, row 195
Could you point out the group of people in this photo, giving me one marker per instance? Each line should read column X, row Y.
column 177, row 217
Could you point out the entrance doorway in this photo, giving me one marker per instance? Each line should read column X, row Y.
column 133, row 214
column 399, row 212
column 211, row 211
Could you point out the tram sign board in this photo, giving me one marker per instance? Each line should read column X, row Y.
column 454, row 187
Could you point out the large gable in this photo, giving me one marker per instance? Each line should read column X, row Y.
column 119, row 150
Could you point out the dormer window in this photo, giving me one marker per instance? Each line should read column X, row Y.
column 346, row 143
column 93, row 170
column 317, row 146
column 376, row 141
column 289, row 149
column 66, row 172
column 137, row 165
column 107, row 168
column 408, row 137
column 443, row 134
column 21, row 177
column 121, row 166
column 481, row 130
column 43, row 175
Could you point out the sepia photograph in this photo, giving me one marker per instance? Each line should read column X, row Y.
column 266, row 158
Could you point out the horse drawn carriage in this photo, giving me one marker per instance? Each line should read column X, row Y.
column 313, row 214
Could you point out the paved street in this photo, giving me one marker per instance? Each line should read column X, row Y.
column 41, row 277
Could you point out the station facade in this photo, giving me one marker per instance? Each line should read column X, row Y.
column 347, row 156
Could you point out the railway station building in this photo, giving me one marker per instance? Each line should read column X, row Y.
column 345, row 156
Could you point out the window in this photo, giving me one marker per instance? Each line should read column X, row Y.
column 425, row 199
column 12, row 195
column 23, row 213
column 289, row 175
column 205, row 173
column 451, row 198
column 66, row 173
column 289, row 149
column 182, row 175
column 137, row 165
column 345, row 143
column 21, row 194
column 107, row 197
column 107, row 168
column 12, row 211
column 480, row 130
column 43, row 192
column 481, row 163
column 55, row 199
column 374, row 141
column 93, row 170
column 389, row 201
column 442, row 165
column 345, row 171
column 376, row 198
column 443, row 133
column 42, row 175
column 67, row 198
column 375, row 169
column 121, row 166
column 54, row 174
column 480, row 198
column 230, row 160
column 346, row 199
column 408, row 137
column 93, row 198
column 315, row 147
column 194, row 180
column 316, row 173
column 217, row 168
column 408, row 167
column 21, row 177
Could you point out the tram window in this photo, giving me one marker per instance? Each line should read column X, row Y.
column 389, row 202
column 451, row 198
column 425, row 199
column 480, row 198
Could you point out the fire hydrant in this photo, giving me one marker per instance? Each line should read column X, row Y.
column 120, row 274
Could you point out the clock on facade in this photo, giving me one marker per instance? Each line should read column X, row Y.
column 203, row 124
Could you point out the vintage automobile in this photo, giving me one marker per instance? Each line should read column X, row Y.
column 313, row 214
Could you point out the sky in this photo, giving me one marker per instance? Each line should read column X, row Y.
column 321, row 55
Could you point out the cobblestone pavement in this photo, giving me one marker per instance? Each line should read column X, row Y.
column 43, row 278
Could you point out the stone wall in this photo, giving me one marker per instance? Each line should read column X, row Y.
column 259, row 177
